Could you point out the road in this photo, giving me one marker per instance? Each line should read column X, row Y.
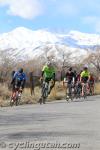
column 60, row 124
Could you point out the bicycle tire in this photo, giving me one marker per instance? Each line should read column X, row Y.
column 44, row 93
column 11, row 102
column 17, row 101
column 85, row 93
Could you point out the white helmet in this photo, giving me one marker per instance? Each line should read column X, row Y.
column 85, row 66
column 48, row 63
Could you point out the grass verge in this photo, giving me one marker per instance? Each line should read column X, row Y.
column 58, row 93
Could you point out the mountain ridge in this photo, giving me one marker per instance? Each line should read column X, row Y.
column 22, row 43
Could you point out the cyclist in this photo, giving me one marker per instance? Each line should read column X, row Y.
column 18, row 81
column 70, row 77
column 48, row 74
column 84, row 77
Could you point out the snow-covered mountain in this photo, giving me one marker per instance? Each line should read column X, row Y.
column 23, row 43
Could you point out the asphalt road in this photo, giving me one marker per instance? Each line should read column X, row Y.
column 58, row 125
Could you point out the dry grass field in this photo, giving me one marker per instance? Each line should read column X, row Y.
column 58, row 93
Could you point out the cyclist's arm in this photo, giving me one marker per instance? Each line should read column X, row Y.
column 14, row 77
column 43, row 70
column 24, row 77
column 81, row 76
column 42, row 73
column 89, row 76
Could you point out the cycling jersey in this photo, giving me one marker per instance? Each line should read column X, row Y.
column 48, row 71
column 70, row 76
column 19, row 76
column 85, row 74
column 18, row 80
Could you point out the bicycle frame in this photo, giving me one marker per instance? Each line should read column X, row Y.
column 45, row 87
column 44, row 91
column 84, row 86
column 16, row 97
column 78, row 90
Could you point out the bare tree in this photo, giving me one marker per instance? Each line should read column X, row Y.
column 65, row 55
column 93, row 59
column 6, row 65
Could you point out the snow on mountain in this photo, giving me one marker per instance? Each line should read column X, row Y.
column 85, row 38
column 23, row 43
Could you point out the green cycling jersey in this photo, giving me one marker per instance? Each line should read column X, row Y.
column 48, row 71
column 85, row 74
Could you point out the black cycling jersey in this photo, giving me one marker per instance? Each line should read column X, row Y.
column 70, row 76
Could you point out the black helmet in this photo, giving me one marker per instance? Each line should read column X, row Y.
column 21, row 70
column 75, row 71
column 70, row 69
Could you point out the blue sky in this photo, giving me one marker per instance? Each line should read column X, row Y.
column 55, row 15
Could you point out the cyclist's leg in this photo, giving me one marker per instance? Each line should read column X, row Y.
column 13, row 91
column 91, row 88
column 72, row 91
column 12, row 100
column 17, row 86
column 85, row 89
column 69, row 90
column 88, row 88
column 82, row 88
column 52, row 84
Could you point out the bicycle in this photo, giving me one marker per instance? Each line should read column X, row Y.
column 78, row 90
column 85, row 90
column 70, row 91
column 15, row 99
column 45, row 90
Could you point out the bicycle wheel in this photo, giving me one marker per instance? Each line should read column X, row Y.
column 44, row 92
column 79, row 91
column 67, row 94
column 17, row 99
column 72, row 92
column 16, row 102
column 11, row 102
column 85, row 92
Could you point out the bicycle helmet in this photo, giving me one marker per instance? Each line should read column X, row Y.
column 21, row 70
column 85, row 67
column 48, row 63
column 70, row 69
